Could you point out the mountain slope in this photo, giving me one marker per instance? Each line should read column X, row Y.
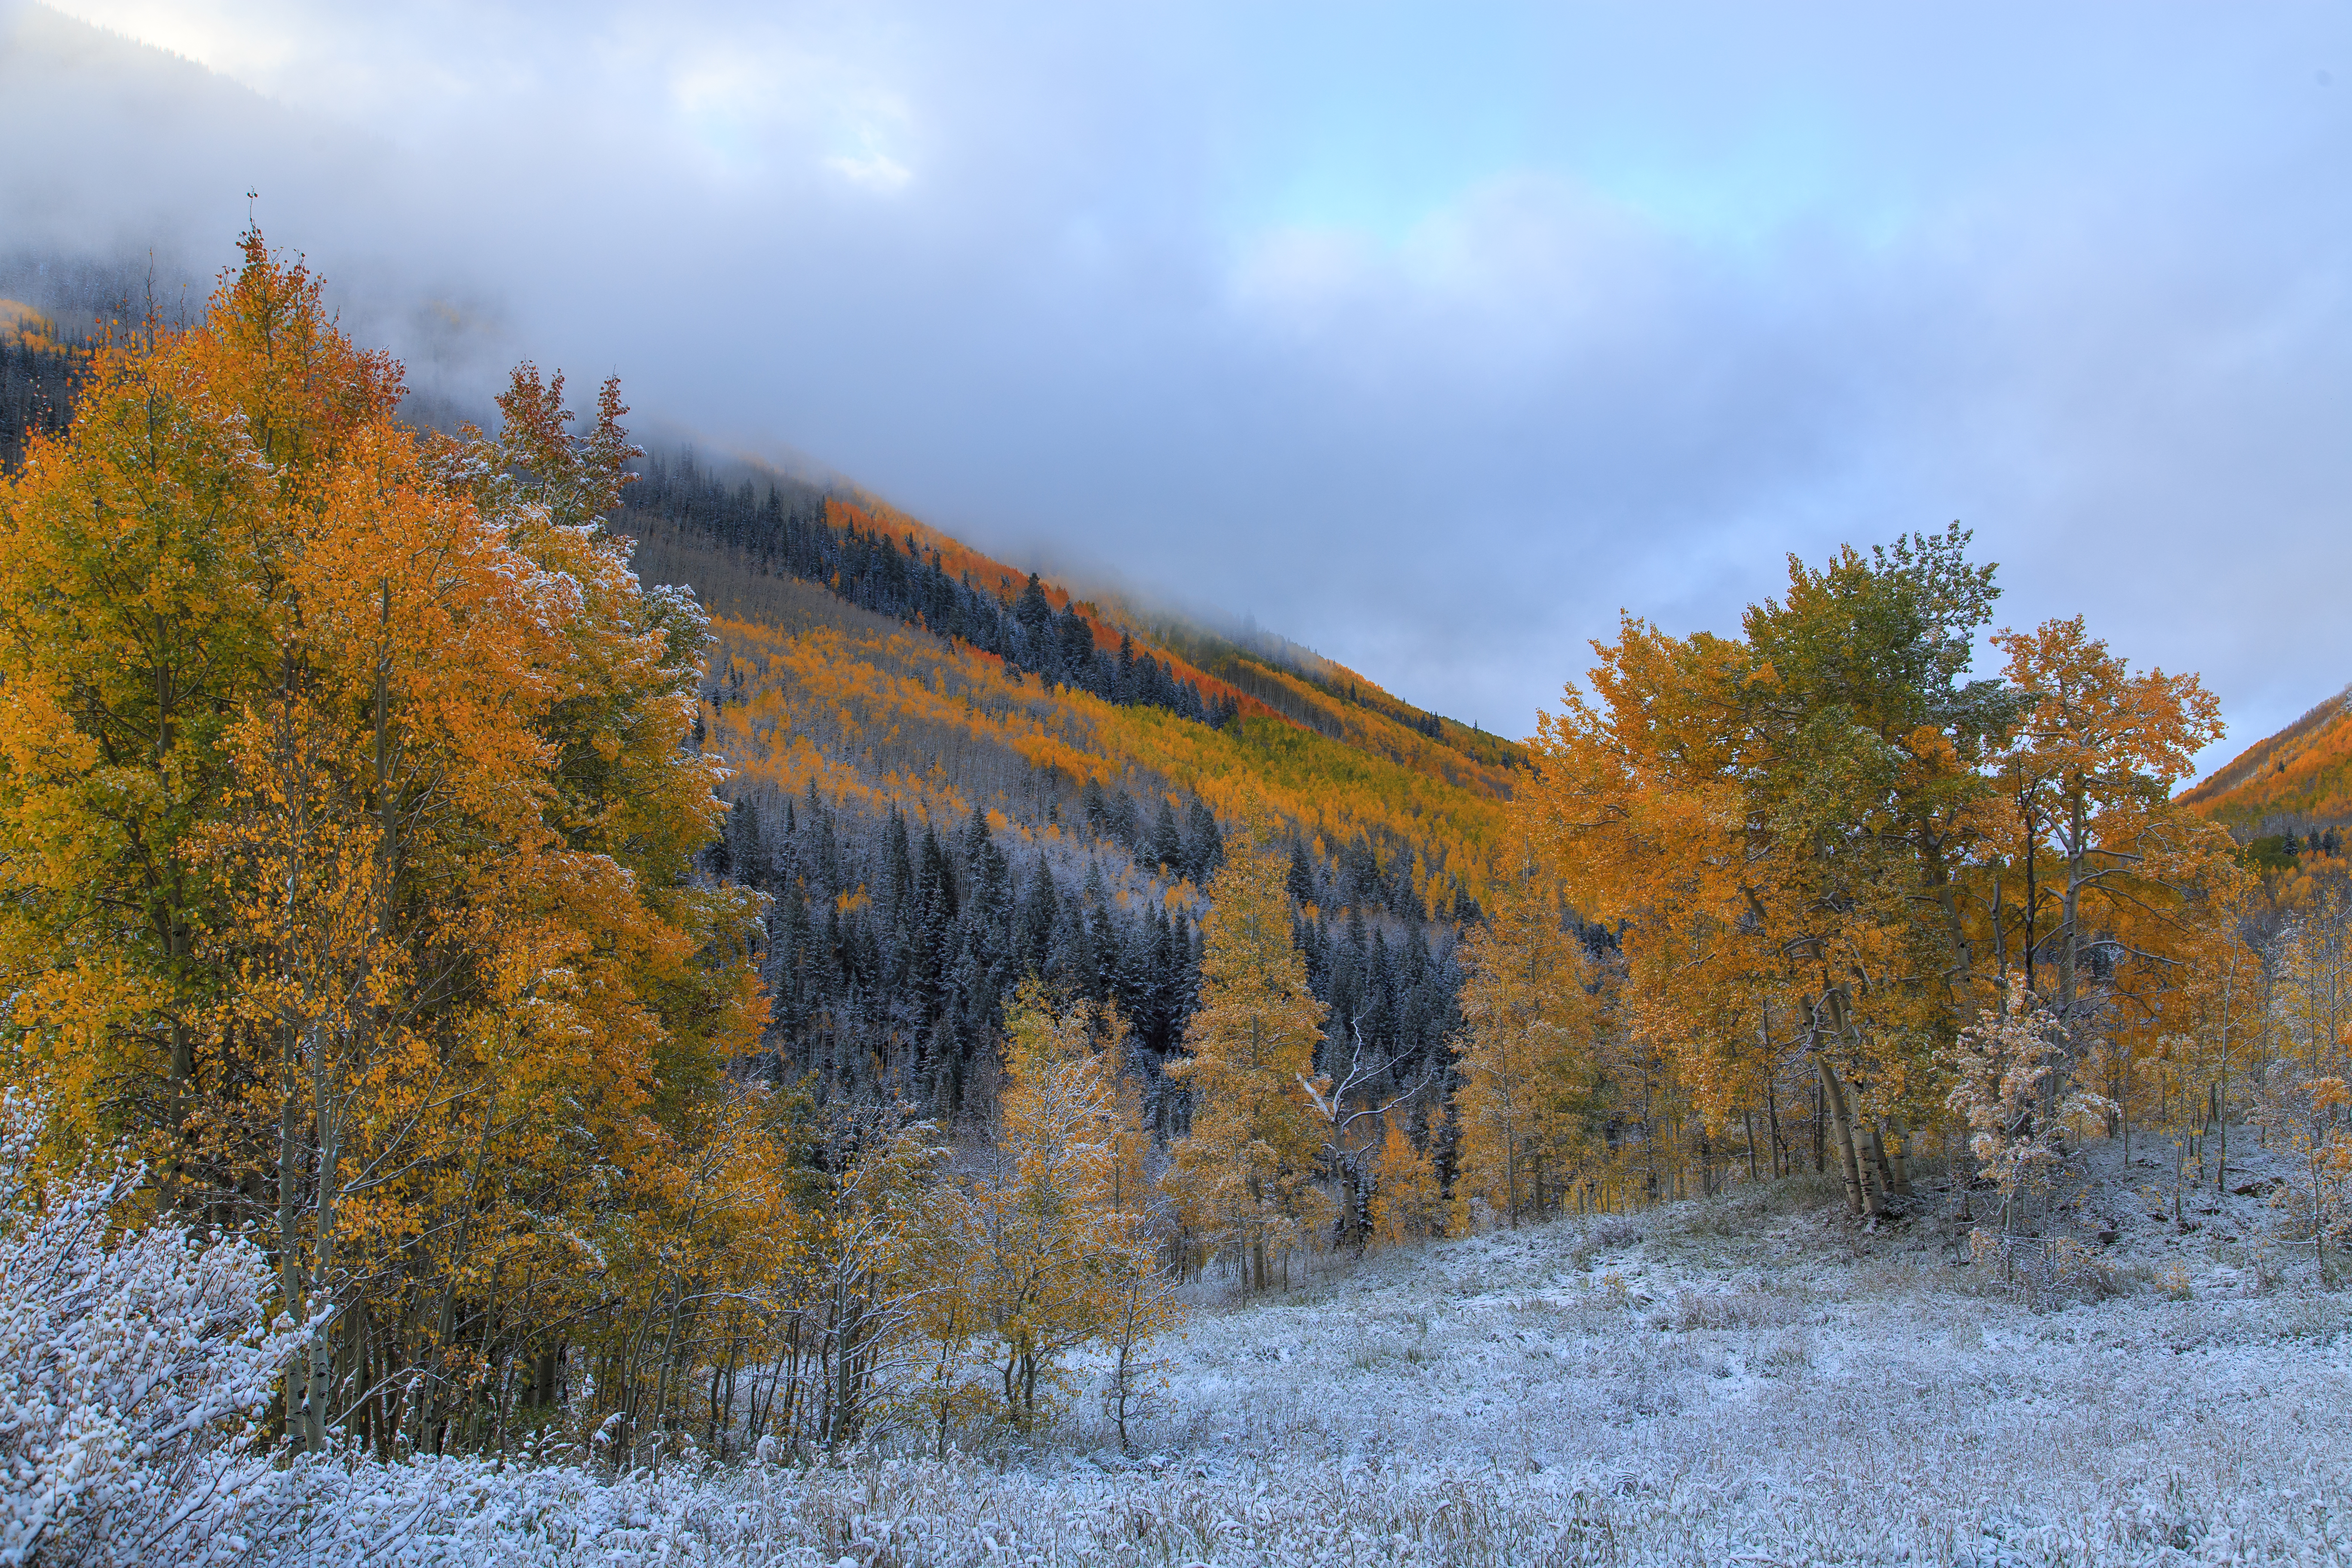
column 2292, row 781
column 1357, row 761
column 949, row 774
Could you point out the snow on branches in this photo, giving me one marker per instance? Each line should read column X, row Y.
column 133, row 1367
column 2013, row 1090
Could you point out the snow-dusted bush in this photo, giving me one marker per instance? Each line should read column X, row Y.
column 131, row 1369
column 2013, row 1083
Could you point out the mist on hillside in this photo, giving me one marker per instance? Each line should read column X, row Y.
column 1438, row 398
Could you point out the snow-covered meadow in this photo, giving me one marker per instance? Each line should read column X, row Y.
column 1749, row 1379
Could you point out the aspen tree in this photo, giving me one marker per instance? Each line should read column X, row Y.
column 2119, row 903
column 347, row 838
column 142, row 589
column 314, row 970
column 1527, row 1067
column 1248, row 1166
column 1061, row 1246
column 1782, row 822
column 1410, row 1202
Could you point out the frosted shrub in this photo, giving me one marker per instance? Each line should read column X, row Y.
column 2012, row 1085
column 130, row 1373
column 2044, row 1271
column 2311, row 1112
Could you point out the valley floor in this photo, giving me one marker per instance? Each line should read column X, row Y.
column 1753, row 1379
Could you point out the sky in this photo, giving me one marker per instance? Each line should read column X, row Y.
column 1432, row 337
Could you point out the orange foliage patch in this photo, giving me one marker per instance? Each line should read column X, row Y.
column 2303, row 772
column 875, row 717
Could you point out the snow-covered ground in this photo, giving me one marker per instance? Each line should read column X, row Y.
column 1746, row 1380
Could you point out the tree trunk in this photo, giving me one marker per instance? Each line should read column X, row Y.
column 1894, row 1175
column 292, row 1296
column 1859, row 1198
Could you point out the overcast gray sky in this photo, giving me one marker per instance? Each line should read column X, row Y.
column 1430, row 335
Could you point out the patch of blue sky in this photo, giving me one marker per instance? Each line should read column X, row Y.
column 1729, row 126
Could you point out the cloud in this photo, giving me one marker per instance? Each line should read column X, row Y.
column 1431, row 342
column 878, row 170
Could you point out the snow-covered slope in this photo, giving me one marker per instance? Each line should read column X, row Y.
column 1751, row 1379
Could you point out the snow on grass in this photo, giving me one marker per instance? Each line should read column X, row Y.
column 1754, row 1379
column 1751, row 1380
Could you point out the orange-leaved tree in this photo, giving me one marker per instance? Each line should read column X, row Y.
column 2118, row 904
column 1408, row 1201
column 1780, row 823
column 1061, row 1244
column 348, row 833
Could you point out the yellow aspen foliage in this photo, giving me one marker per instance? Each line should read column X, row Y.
column 1821, row 844
column 1060, row 1245
column 1777, row 819
column 1247, row 1167
column 2096, row 848
column 1409, row 1202
column 346, row 834
column 1529, row 1067
column 143, row 596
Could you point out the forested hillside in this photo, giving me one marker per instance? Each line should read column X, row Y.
column 38, row 378
column 532, row 963
column 546, row 960
column 2297, row 781
column 949, row 775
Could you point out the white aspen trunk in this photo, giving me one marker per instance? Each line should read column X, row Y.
column 291, row 1276
column 1892, row 1143
column 322, row 1254
column 1861, row 1195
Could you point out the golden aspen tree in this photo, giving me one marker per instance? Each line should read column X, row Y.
column 2118, row 903
column 1779, row 821
column 142, row 592
column 306, row 937
column 1527, row 1067
column 346, row 830
column 2102, row 856
column 1409, row 1202
column 1872, row 741
column 1248, row 1163
column 1061, row 1242
column 2183, row 1023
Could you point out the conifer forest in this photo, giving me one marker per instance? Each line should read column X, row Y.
column 572, row 1000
